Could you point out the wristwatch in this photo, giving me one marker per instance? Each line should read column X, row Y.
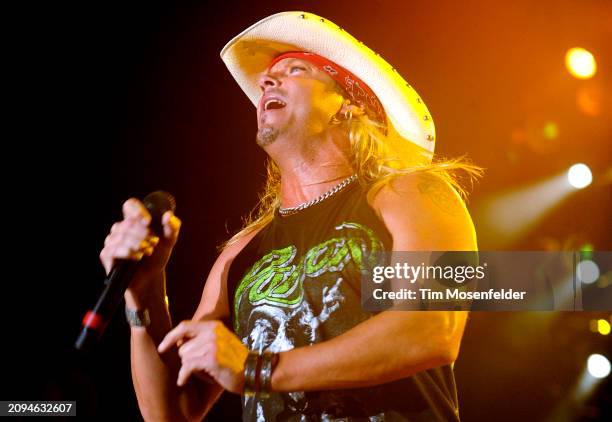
column 137, row 318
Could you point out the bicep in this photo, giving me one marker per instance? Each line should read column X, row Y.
column 424, row 213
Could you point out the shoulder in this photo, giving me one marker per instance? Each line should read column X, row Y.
column 214, row 302
column 422, row 211
column 234, row 247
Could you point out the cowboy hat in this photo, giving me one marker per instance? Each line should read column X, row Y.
column 251, row 52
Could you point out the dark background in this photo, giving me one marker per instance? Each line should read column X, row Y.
column 118, row 99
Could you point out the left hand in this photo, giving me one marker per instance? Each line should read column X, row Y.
column 208, row 349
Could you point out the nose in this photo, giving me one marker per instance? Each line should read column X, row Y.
column 267, row 81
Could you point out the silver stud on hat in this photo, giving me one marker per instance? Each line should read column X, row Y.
column 426, row 117
column 302, row 16
column 430, row 138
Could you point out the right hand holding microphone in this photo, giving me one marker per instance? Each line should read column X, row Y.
column 132, row 239
column 147, row 233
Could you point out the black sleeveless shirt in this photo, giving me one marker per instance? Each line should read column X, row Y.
column 296, row 283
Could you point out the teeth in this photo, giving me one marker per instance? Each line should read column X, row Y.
column 273, row 101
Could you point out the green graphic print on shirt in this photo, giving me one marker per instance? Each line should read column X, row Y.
column 270, row 307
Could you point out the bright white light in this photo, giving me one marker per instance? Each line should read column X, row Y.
column 579, row 176
column 587, row 271
column 598, row 366
column 580, row 63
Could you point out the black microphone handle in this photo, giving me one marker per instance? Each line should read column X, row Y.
column 96, row 320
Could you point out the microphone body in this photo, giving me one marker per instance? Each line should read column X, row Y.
column 95, row 320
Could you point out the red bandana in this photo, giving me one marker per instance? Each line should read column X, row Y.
column 355, row 89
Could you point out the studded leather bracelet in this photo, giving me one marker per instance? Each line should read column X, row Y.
column 258, row 369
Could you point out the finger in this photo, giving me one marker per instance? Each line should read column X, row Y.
column 130, row 227
column 171, row 224
column 113, row 233
column 198, row 346
column 184, row 329
column 147, row 246
column 134, row 210
column 126, row 242
column 115, row 227
column 128, row 234
column 134, row 242
column 185, row 372
column 204, row 342
column 196, row 366
column 107, row 262
column 152, row 240
column 124, row 252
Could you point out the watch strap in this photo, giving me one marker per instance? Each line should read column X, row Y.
column 137, row 318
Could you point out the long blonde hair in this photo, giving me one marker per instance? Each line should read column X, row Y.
column 376, row 158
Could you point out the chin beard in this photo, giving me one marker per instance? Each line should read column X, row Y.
column 266, row 135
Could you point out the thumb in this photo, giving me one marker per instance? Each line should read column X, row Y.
column 172, row 225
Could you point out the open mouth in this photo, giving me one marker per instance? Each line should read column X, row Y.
column 273, row 104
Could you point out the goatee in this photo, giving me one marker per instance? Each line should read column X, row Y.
column 266, row 135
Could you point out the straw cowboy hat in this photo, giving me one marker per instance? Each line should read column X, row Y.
column 251, row 52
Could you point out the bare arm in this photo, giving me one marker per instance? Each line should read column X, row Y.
column 422, row 213
column 159, row 375
column 154, row 375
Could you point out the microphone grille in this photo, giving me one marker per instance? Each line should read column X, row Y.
column 157, row 203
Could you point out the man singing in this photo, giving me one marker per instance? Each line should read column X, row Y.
column 280, row 321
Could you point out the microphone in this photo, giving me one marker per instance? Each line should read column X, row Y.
column 95, row 320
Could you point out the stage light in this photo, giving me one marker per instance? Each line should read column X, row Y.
column 587, row 271
column 506, row 216
column 598, row 366
column 579, row 176
column 580, row 63
column 603, row 327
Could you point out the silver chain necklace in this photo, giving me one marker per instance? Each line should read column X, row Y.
column 292, row 210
